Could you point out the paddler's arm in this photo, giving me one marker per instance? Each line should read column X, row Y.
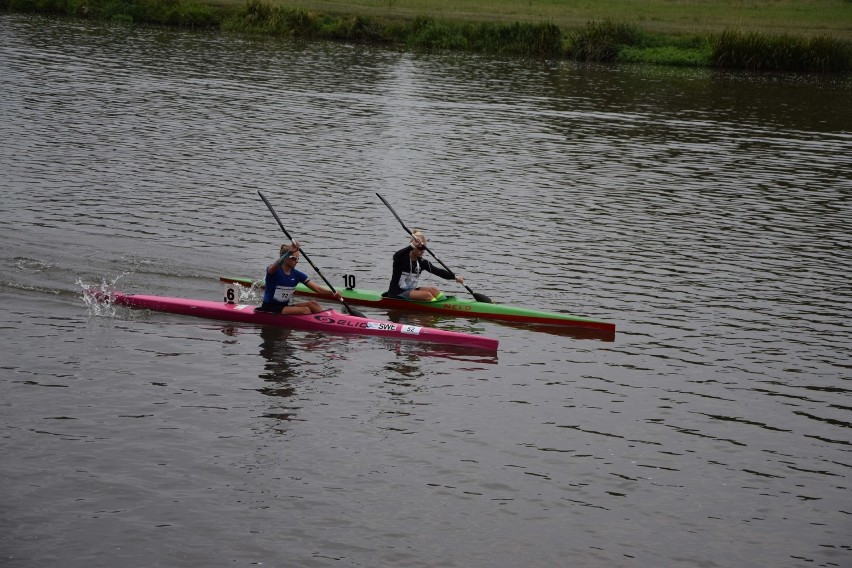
column 440, row 272
column 323, row 291
column 273, row 268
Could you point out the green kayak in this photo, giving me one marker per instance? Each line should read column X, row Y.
column 450, row 305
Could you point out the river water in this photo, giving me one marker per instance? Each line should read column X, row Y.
column 705, row 213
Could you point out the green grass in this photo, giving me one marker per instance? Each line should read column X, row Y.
column 672, row 17
column 186, row 13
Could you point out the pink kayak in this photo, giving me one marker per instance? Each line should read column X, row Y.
column 329, row 320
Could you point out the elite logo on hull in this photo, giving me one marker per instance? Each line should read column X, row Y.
column 342, row 322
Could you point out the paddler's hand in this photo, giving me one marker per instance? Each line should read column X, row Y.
column 459, row 279
column 295, row 246
column 338, row 296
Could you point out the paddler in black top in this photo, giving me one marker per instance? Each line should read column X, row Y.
column 408, row 263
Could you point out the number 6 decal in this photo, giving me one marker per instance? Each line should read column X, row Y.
column 231, row 294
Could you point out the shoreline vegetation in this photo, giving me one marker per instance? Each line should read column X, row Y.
column 783, row 35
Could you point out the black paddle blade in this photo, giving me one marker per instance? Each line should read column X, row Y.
column 353, row 312
column 482, row 298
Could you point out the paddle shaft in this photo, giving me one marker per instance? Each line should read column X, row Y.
column 355, row 313
column 476, row 296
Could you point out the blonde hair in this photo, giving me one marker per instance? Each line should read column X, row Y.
column 417, row 233
column 284, row 248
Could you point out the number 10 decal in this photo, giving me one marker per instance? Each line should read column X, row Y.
column 349, row 281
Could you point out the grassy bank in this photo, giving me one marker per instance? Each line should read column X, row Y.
column 670, row 17
column 789, row 35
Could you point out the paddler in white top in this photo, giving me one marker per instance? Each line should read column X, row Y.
column 281, row 280
column 408, row 263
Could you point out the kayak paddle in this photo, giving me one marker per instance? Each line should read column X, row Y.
column 349, row 308
column 476, row 296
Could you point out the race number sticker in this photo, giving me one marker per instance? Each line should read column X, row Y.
column 413, row 329
column 283, row 294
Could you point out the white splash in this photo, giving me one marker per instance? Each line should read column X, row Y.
column 100, row 298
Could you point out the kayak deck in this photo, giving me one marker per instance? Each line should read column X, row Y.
column 450, row 305
column 326, row 321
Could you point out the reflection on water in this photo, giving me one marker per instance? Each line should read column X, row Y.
column 293, row 359
column 279, row 374
column 280, row 354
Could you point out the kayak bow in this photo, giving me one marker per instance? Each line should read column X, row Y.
column 451, row 305
column 326, row 321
